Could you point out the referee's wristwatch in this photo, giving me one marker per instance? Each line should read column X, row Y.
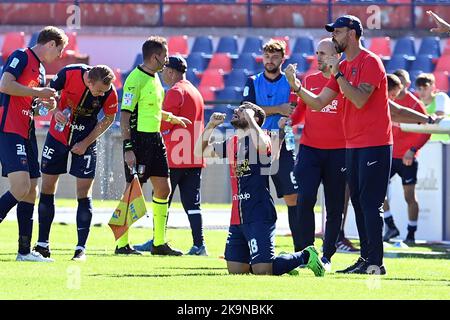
column 431, row 120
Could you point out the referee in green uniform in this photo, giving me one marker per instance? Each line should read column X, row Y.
column 143, row 146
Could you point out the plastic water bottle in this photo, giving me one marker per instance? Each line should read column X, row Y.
column 42, row 110
column 289, row 137
column 59, row 126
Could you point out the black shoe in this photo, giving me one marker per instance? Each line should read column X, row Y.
column 79, row 255
column 391, row 233
column 165, row 250
column 127, row 250
column 367, row 268
column 361, row 261
column 44, row 251
column 410, row 241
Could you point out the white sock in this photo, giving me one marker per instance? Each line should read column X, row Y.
column 412, row 223
column 80, row 248
column 42, row 244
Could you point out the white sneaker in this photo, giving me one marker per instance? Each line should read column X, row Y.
column 326, row 264
column 33, row 256
column 79, row 255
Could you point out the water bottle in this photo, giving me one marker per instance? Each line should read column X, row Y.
column 59, row 126
column 42, row 110
column 289, row 137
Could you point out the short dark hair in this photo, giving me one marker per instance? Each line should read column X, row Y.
column 402, row 73
column 102, row 73
column 275, row 46
column 393, row 81
column 425, row 79
column 51, row 33
column 153, row 45
column 259, row 112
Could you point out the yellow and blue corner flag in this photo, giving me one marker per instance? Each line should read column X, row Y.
column 130, row 209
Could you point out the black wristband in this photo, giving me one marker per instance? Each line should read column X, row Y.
column 430, row 120
column 413, row 149
column 127, row 145
column 337, row 75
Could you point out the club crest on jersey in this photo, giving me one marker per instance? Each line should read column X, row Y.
column 354, row 71
column 242, row 168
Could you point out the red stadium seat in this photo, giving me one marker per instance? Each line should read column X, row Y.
column 118, row 82
column 288, row 47
column 178, row 45
column 221, row 61
column 442, row 81
column 446, row 51
column 207, row 93
column 443, row 63
column 72, row 47
column 11, row 42
column 381, row 46
column 213, row 79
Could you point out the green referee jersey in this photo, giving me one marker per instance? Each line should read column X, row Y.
column 143, row 96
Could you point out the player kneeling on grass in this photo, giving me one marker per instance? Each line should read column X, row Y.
column 251, row 240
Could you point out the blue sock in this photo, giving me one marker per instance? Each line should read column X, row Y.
column 195, row 220
column 25, row 221
column 84, row 217
column 46, row 211
column 287, row 262
column 7, row 201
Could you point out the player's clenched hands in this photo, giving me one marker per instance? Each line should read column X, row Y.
column 216, row 119
column 45, row 92
column 333, row 62
column 79, row 148
column 181, row 121
column 291, row 75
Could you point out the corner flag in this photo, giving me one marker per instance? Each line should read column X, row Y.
column 130, row 209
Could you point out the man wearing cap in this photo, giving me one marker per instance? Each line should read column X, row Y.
column 143, row 145
column 361, row 78
column 183, row 99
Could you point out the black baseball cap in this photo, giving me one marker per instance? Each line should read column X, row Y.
column 178, row 63
column 348, row 21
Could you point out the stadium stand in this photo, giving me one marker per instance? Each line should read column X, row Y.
column 304, row 45
column 381, row 46
column 11, row 42
column 405, row 46
column 178, row 45
column 204, row 45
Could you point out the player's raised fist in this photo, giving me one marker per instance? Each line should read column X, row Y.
column 217, row 118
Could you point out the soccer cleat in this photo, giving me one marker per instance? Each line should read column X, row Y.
column 326, row 264
column 44, row 251
column 314, row 262
column 145, row 247
column 346, row 246
column 357, row 264
column 390, row 233
column 127, row 250
column 79, row 255
column 197, row 251
column 410, row 241
column 165, row 250
column 366, row 268
column 33, row 256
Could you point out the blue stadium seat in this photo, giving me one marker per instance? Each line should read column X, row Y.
column 405, row 46
column 33, row 39
column 229, row 94
column 228, row 44
column 237, row 78
column 304, row 45
column 137, row 61
column 192, row 77
column 253, row 45
column 300, row 60
column 246, row 61
column 430, row 46
column 197, row 61
column 397, row 62
column 413, row 75
column 203, row 44
column 424, row 63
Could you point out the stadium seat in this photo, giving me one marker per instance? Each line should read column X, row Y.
column 253, row 45
column 118, row 82
column 221, row 61
column 11, row 42
column 300, row 60
column 191, row 75
column 203, row 44
column 137, row 61
column 424, row 63
column 178, row 45
column 446, row 51
column 72, row 46
column 288, row 47
column 228, row 44
column 443, row 63
column 33, row 39
column 237, row 78
column 208, row 94
column 381, row 46
column 304, row 45
column 212, row 78
column 397, row 62
column 246, row 61
column 430, row 46
column 405, row 46
column 442, row 83
column 197, row 61
column 229, row 94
